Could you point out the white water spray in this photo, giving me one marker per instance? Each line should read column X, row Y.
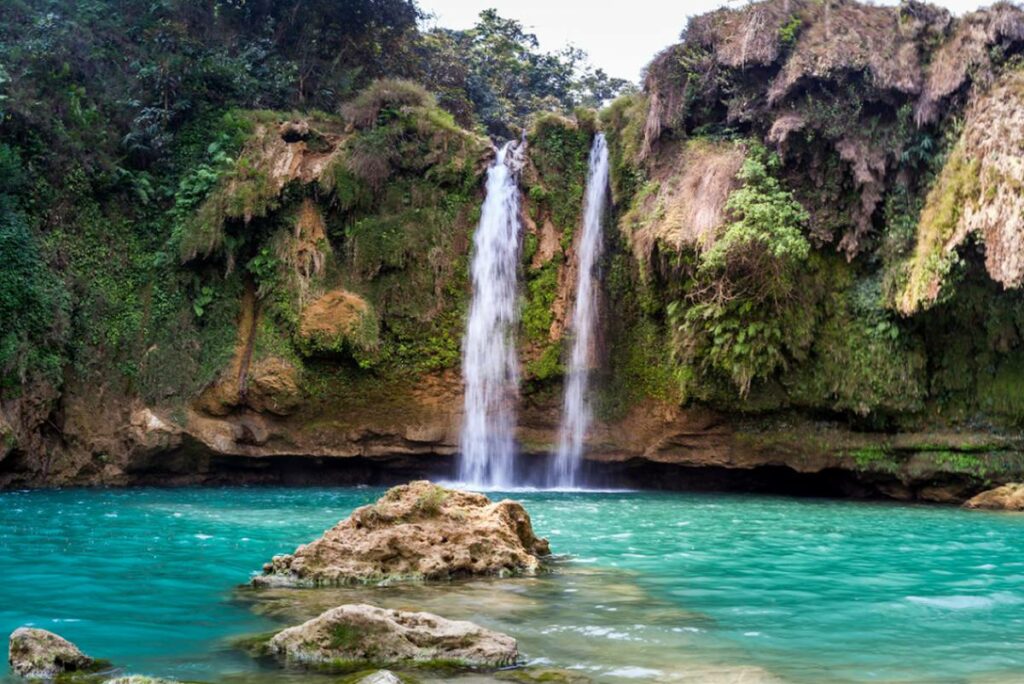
column 490, row 369
column 564, row 471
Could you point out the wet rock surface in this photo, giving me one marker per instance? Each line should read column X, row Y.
column 359, row 633
column 39, row 654
column 418, row 531
column 1009, row 497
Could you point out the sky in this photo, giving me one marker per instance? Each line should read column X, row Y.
column 621, row 39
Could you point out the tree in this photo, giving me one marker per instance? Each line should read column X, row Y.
column 504, row 74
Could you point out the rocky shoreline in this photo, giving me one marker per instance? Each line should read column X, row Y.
column 657, row 446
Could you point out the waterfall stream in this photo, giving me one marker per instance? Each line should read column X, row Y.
column 564, row 470
column 490, row 369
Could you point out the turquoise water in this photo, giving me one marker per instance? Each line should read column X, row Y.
column 655, row 587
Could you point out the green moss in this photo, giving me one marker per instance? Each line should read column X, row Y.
column 345, row 637
column 541, row 290
column 623, row 124
column 861, row 359
column 999, row 391
column 430, row 502
column 957, row 188
column 530, row 246
column 548, row 365
column 790, row 31
column 559, row 149
column 875, row 459
column 254, row 644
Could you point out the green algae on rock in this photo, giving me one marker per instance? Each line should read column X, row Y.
column 353, row 636
column 39, row 654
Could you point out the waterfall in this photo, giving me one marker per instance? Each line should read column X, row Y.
column 564, row 471
column 490, row 369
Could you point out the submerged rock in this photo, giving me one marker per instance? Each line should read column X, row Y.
column 139, row 679
column 380, row 677
column 358, row 634
column 1009, row 497
column 416, row 531
column 39, row 654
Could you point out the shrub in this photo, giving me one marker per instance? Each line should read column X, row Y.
column 743, row 310
column 384, row 99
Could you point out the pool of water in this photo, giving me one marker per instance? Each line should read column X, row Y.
column 653, row 587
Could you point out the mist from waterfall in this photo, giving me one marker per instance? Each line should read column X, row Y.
column 576, row 412
column 490, row 369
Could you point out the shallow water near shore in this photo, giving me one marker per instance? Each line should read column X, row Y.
column 652, row 586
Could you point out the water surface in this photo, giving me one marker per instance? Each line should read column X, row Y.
column 656, row 587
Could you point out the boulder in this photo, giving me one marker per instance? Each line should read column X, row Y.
column 359, row 634
column 273, row 387
column 39, row 654
column 1009, row 497
column 418, row 531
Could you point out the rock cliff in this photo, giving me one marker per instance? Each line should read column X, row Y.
column 811, row 279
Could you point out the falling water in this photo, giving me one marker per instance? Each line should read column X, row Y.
column 489, row 366
column 576, row 408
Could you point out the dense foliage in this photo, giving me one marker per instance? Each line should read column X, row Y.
column 33, row 303
column 120, row 121
column 744, row 310
column 497, row 70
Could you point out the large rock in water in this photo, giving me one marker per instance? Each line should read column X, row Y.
column 38, row 654
column 416, row 531
column 354, row 635
column 1009, row 497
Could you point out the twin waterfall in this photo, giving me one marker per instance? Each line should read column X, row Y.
column 576, row 407
column 490, row 368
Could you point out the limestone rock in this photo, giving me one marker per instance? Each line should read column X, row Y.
column 360, row 633
column 976, row 194
column 380, row 677
column 7, row 437
column 39, row 654
column 152, row 432
column 416, row 531
column 273, row 387
column 337, row 317
column 1009, row 497
column 688, row 207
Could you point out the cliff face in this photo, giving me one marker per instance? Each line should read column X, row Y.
column 811, row 280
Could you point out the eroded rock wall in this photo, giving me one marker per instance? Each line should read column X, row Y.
column 326, row 272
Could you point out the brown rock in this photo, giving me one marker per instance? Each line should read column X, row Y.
column 977, row 195
column 7, row 437
column 273, row 387
column 336, row 317
column 361, row 633
column 418, row 531
column 1009, row 497
column 39, row 654
column 688, row 208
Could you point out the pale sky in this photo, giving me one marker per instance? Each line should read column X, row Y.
column 620, row 37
